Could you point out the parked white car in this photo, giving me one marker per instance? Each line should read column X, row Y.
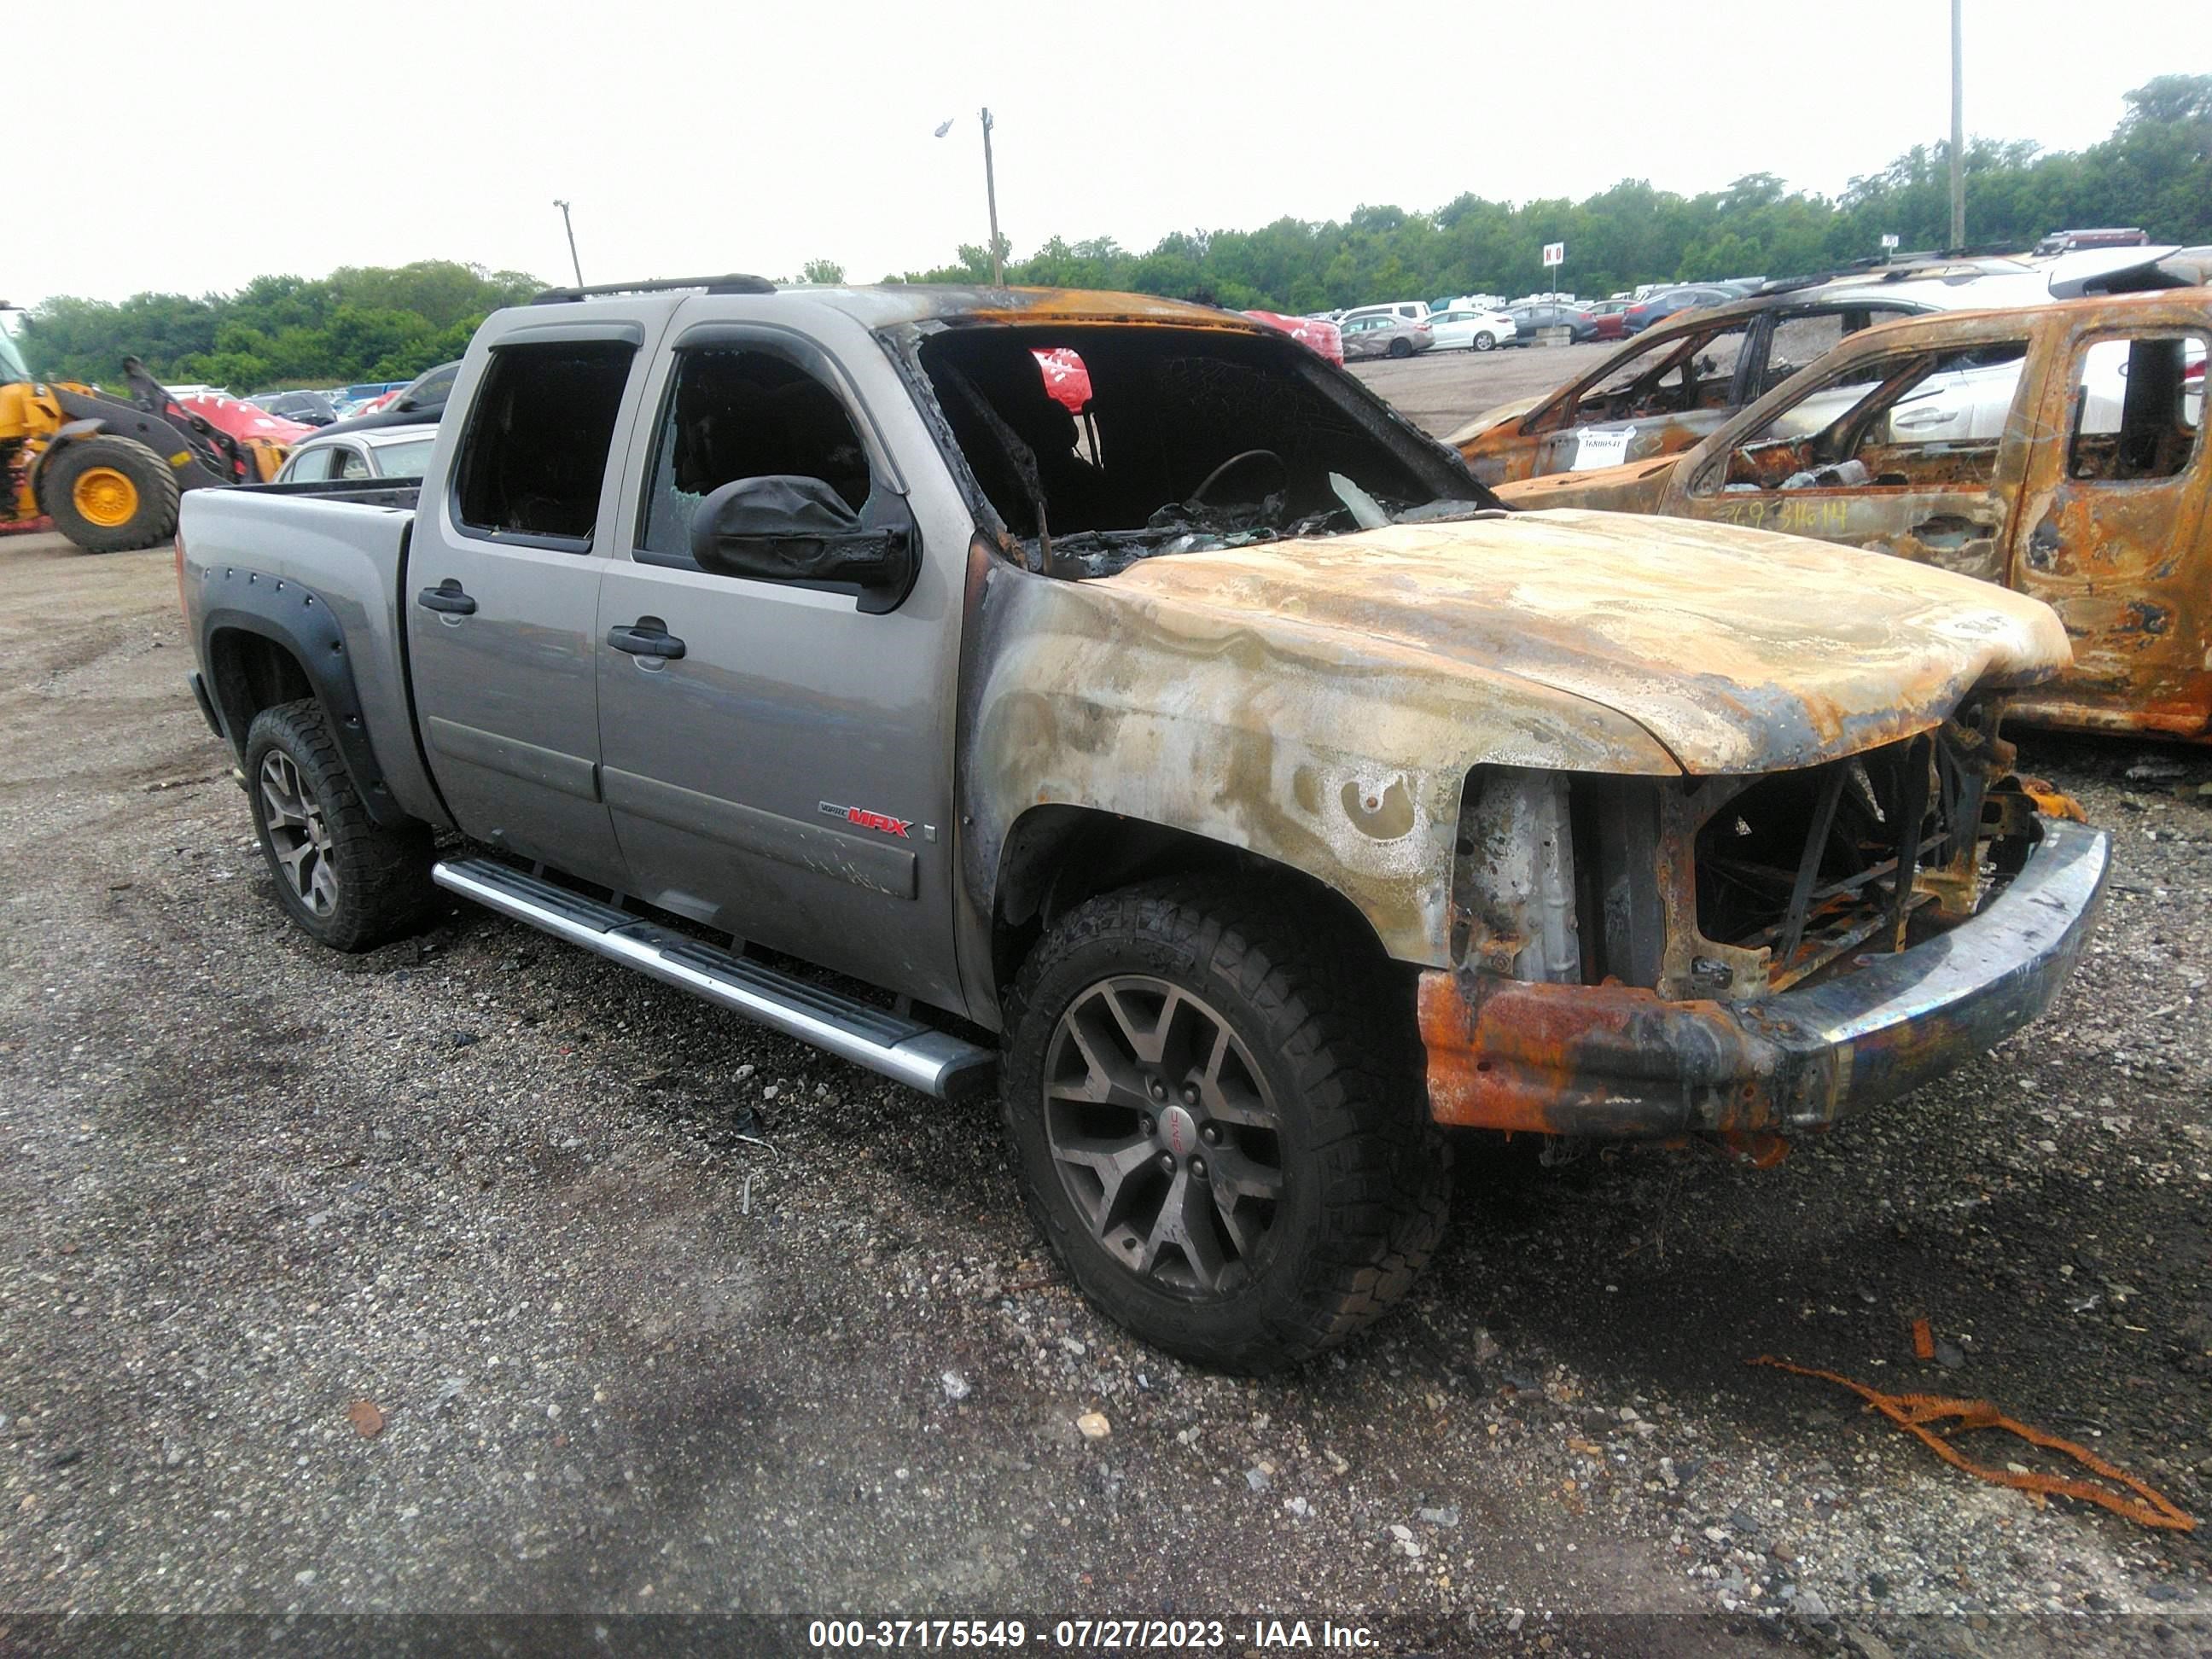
column 1470, row 331
column 385, row 452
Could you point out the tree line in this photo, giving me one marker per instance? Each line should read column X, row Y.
column 364, row 323
column 2154, row 171
column 359, row 323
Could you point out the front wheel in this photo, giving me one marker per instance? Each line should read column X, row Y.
column 1485, row 342
column 109, row 494
column 348, row 881
column 1217, row 1123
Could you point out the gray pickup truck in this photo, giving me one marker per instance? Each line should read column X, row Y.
column 1178, row 741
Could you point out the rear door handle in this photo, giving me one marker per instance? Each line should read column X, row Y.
column 1952, row 530
column 447, row 597
column 649, row 636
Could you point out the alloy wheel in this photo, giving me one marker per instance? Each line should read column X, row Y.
column 297, row 834
column 1165, row 1135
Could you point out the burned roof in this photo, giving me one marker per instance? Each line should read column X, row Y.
column 889, row 304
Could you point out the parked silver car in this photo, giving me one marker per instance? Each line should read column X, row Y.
column 390, row 452
column 1379, row 334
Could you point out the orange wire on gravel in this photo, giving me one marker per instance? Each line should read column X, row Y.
column 1914, row 1412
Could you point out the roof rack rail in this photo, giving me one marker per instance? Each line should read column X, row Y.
column 734, row 282
column 1891, row 267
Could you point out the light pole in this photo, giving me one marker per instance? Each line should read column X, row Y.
column 1957, row 127
column 990, row 193
column 575, row 264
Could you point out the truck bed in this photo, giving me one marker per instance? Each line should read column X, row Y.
column 345, row 542
column 372, row 492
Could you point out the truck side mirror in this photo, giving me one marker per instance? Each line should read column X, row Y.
column 783, row 528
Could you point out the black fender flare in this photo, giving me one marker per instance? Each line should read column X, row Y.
column 293, row 618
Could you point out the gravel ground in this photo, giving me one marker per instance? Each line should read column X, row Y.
column 650, row 1310
column 1439, row 391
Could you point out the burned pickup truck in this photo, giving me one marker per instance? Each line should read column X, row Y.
column 1213, row 768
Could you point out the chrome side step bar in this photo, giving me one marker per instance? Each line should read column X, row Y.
column 915, row 1054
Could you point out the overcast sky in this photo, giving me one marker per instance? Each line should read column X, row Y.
column 217, row 145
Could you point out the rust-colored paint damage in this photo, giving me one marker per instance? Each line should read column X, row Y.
column 1590, row 1060
column 2082, row 494
column 1840, row 897
column 1506, row 451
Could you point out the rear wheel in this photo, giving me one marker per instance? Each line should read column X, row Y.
column 1217, row 1124
column 1484, row 342
column 1402, row 347
column 108, row 495
column 348, row 881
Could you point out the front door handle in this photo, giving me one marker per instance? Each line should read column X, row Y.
column 649, row 636
column 447, row 597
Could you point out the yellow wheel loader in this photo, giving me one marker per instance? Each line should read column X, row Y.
column 108, row 470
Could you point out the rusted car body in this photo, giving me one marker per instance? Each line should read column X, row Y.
column 1667, row 389
column 1682, row 379
column 2058, row 452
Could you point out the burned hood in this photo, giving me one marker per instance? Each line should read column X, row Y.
column 1631, row 486
column 1496, row 415
column 1736, row 650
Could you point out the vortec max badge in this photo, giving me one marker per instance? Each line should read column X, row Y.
column 861, row 817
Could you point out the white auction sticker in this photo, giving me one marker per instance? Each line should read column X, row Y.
column 1594, row 447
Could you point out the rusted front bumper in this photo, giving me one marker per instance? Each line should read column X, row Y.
column 1613, row 1062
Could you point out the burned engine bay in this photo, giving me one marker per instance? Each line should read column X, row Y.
column 1100, row 446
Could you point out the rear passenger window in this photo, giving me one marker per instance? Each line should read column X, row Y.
column 352, row 463
column 738, row 414
column 2137, row 406
column 310, row 466
column 536, row 453
column 1795, row 342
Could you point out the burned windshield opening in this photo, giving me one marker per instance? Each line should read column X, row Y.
column 1109, row 444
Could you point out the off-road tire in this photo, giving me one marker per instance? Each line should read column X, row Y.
column 1366, row 1177
column 154, row 521
column 382, row 874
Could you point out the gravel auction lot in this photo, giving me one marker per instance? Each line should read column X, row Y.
column 1439, row 391
column 645, row 1310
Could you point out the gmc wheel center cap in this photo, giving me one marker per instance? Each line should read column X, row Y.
column 1178, row 1132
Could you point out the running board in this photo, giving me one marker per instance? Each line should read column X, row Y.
column 915, row 1054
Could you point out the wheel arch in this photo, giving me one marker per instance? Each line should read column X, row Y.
column 266, row 641
column 51, row 445
column 1055, row 857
